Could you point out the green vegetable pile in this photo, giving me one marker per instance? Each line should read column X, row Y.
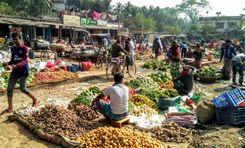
column 168, row 94
column 4, row 78
column 160, row 77
column 151, row 93
column 156, row 65
column 143, row 81
column 140, row 100
column 208, row 72
column 155, row 94
column 87, row 96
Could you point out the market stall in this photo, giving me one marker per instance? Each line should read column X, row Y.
column 41, row 73
column 157, row 115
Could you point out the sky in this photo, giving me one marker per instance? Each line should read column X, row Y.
column 226, row 7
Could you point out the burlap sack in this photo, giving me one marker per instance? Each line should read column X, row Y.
column 205, row 112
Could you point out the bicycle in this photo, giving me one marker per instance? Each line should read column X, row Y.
column 102, row 58
column 118, row 65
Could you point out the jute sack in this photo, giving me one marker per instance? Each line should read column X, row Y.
column 205, row 112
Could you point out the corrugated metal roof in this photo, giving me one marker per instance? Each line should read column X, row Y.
column 28, row 22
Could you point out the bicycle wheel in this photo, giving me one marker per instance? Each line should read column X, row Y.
column 110, row 71
column 99, row 62
column 132, row 70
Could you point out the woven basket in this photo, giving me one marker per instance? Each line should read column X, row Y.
column 207, row 79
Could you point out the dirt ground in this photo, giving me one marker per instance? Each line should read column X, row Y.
column 14, row 135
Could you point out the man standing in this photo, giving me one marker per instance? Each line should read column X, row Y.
column 184, row 49
column 20, row 71
column 132, row 48
column 117, row 49
column 118, row 94
column 237, row 66
column 228, row 52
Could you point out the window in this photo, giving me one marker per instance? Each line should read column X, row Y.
column 231, row 24
column 220, row 25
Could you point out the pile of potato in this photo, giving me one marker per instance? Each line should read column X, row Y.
column 139, row 110
column 109, row 137
column 83, row 112
column 59, row 120
column 172, row 132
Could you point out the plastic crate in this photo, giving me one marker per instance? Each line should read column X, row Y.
column 235, row 116
column 221, row 101
column 235, row 97
column 163, row 104
column 73, row 68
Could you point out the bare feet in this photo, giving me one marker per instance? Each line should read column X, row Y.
column 7, row 111
column 35, row 103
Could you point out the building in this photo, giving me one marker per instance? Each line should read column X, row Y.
column 66, row 27
column 224, row 25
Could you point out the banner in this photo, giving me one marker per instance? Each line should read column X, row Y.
column 101, row 23
column 71, row 20
column 88, row 22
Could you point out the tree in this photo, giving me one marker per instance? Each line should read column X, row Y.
column 30, row 7
column 39, row 7
column 6, row 9
column 192, row 8
column 207, row 29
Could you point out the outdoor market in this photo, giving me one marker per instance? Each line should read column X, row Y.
column 93, row 77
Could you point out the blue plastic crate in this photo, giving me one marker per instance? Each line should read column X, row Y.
column 221, row 101
column 164, row 104
column 73, row 68
column 235, row 116
column 235, row 97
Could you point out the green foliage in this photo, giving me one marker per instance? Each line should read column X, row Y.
column 207, row 29
column 27, row 7
column 39, row 7
column 5, row 8
column 192, row 8
column 149, row 18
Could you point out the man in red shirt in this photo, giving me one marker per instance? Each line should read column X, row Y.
column 20, row 71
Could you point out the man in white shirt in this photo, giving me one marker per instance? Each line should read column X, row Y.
column 132, row 48
column 118, row 94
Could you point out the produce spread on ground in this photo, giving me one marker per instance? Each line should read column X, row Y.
column 43, row 76
column 158, row 115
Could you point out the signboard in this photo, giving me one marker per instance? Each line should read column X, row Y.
column 113, row 25
column 101, row 23
column 88, row 22
column 71, row 20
